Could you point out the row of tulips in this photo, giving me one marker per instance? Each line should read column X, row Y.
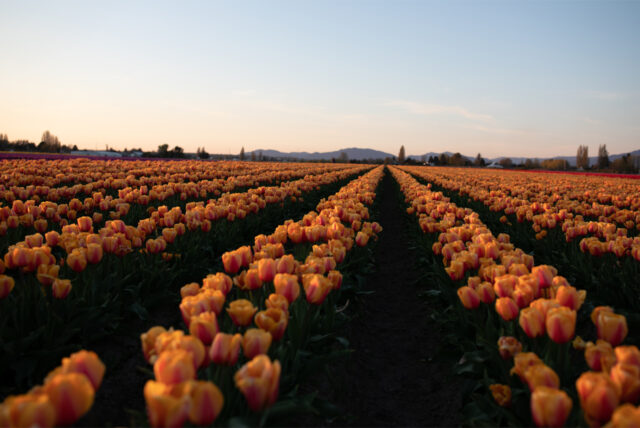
column 65, row 396
column 545, row 307
column 265, row 291
column 41, row 211
column 122, row 270
column 608, row 270
column 556, row 201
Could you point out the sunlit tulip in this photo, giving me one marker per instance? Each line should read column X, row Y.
column 232, row 261
column 206, row 402
column 174, row 366
column 94, row 253
column 277, row 301
column 501, row 394
column 287, row 286
column 541, row 375
column 85, row 224
column 285, row 264
column 60, row 288
column 86, row 363
column 545, row 274
column 508, row 346
column 219, row 281
column 628, row 355
column 362, row 239
column 507, row 308
column 561, row 324
column 266, row 269
column 273, row 320
column 627, row 377
column 504, row 285
column 532, row 322
column 77, row 260
column 28, row 410
column 148, row 341
column 468, row 297
column 241, row 312
column 259, row 380
column 164, row 409
column 568, row 296
column 225, row 348
column 255, row 341
column 599, row 396
column 599, row 357
column 6, row 285
column 316, row 288
column 52, row 238
column 204, row 326
column 522, row 361
column 71, row 394
column 550, row 407
column 625, row 416
column 455, row 270
column 190, row 289
column 611, row 327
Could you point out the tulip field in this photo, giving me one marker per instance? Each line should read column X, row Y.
column 236, row 282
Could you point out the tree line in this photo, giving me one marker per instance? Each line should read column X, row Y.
column 49, row 143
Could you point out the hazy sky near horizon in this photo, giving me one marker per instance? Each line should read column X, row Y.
column 513, row 78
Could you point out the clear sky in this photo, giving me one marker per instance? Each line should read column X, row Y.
column 510, row 78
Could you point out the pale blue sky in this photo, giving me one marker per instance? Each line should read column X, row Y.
column 508, row 78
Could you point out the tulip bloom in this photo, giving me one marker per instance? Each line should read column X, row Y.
column 190, row 289
column 504, row 285
column 286, row 264
column 206, row 402
column 204, row 326
column 550, row 407
column 628, row 355
column 277, row 301
column 541, row 375
column 71, row 394
column 232, row 261
column 532, row 322
column 626, row 415
column 455, row 270
column 6, row 285
column 522, row 361
column 561, row 324
column 241, row 312
column 219, row 281
column 77, row 260
column 508, row 346
column 86, row 363
column 148, row 341
column 266, row 269
column 255, row 342
column 611, row 327
column 316, row 288
column 501, row 394
column 599, row 357
column 174, row 366
column 225, row 348
column 335, row 277
column 258, row 380
column 506, row 307
column 273, row 320
column 163, row 408
column 599, row 396
column 60, row 288
column 627, row 377
column 568, row 296
column 468, row 297
column 28, row 410
column 545, row 274
column 362, row 239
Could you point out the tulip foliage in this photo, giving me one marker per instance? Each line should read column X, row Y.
column 521, row 321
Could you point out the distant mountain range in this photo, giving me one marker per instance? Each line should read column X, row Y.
column 364, row 154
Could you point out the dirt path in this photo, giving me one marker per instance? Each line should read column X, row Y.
column 392, row 380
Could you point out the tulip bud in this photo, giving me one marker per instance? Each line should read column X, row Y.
column 541, row 375
column 266, row 269
column 568, row 296
column 501, row 394
column 225, row 348
column 627, row 377
column 287, row 286
column 6, row 285
column 522, row 361
column 561, row 324
column 164, row 409
column 532, row 322
column 28, row 410
column 507, row 308
column 174, row 366
column 60, row 288
column 206, row 402
column 204, row 326
column 599, row 357
column 71, row 395
column 148, row 341
column 94, row 253
column 273, row 320
column 255, row 341
column 258, row 380
column 599, row 396
column 611, row 327
column 191, row 289
column 285, row 264
column 545, row 274
column 550, row 407
column 628, row 355
column 468, row 297
column 219, row 281
column 362, row 239
column 241, row 312
column 232, row 261
column 86, row 363
column 277, row 301
column 455, row 270
column 508, row 346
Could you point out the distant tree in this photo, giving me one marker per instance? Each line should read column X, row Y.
column 401, row 155
column 344, row 158
column 4, row 138
column 177, row 152
column 253, row 156
column 202, row 153
column 443, row 159
column 478, row 161
column 242, row 153
column 582, row 158
column 555, row 164
column 456, row 159
column 625, row 164
column 603, row 157
column 260, row 156
column 49, row 143
column 423, row 158
column 506, row 162
column 163, row 150
column 433, row 160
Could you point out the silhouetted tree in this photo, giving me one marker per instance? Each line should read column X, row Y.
column 603, row 157
column 582, row 158
column 202, row 153
column 506, row 162
column 163, row 150
column 177, row 152
column 401, row 155
column 478, row 161
column 49, row 143
column 242, row 153
column 625, row 164
column 443, row 159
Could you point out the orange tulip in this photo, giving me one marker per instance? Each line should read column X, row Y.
column 232, row 261
column 335, row 277
column 190, row 289
column 508, row 346
column 627, row 377
column 206, row 402
column 6, row 285
column 628, row 355
column 258, row 380
column 486, row 293
column 285, row 264
column 561, row 324
column 94, row 253
column 362, row 239
column 316, row 288
column 86, row 363
column 277, row 301
column 60, row 288
column 507, row 308
column 545, row 274
column 219, row 281
column 611, row 327
column 599, row 396
column 532, row 322
column 273, row 320
column 625, row 416
column 241, row 312
column 255, row 342
column 550, row 407
column 599, row 357
column 266, row 269
column 148, row 341
column 504, row 285
column 597, row 311
column 287, row 286
column 468, row 297
column 28, row 410
column 77, row 260
column 225, row 348
column 163, row 408
column 174, row 366
column 501, row 394
column 522, row 361
column 71, row 395
column 541, row 375
column 455, row 270
column 204, row 326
